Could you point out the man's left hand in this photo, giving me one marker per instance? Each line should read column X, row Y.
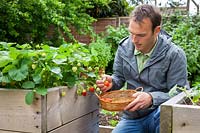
column 142, row 100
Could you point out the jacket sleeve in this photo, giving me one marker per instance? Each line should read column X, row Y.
column 176, row 75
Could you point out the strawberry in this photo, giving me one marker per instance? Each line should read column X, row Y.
column 84, row 93
column 107, row 83
column 91, row 89
column 63, row 93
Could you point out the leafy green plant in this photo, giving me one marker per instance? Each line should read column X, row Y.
column 113, row 36
column 113, row 122
column 108, row 112
column 185, row 32
column 101, row 51
column 28, row 21
column 110, row 8
column 193, row 94
column 112, row 117
column 23, row 67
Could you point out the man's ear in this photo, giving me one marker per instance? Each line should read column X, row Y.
column 157, row 30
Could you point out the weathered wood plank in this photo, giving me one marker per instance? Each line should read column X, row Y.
column 43, row 114
column 16, row 115
column 105, row 129
column 46, row 113
column 186, row 119
column 166, row 119
column 61, row 110
column 53, row 109
column 1, row 131
column 176, row 99
column 166, row 113
column 177, row 117
column 85, row 124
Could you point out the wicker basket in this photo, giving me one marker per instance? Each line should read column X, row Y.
column 116, row 100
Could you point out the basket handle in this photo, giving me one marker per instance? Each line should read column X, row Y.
column 97, row 95
column 139, row 89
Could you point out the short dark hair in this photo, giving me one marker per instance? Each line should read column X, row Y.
column 147, row 11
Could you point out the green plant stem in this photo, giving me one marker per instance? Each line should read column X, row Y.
column 187, row 94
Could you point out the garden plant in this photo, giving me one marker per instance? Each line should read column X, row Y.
column 38, row 69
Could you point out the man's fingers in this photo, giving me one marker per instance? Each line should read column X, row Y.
column 132, row 104
column 137, row 106
column 104, row 89
column 142, row 100
column 141, row 106
column 135, row 95
column 101, row 84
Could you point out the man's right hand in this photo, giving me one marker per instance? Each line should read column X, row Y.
column 105, row 83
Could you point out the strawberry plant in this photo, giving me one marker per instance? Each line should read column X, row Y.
column 193, row 94
column 37, row 69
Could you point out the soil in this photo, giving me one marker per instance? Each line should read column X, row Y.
column 105, row 118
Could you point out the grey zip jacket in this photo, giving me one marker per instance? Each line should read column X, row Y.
column 166, row 67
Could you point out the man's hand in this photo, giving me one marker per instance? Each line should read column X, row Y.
column 142, row 100
column 105, row 83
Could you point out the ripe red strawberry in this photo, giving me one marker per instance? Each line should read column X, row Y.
column 91, row 89
column 107, row 83
column 84, row 93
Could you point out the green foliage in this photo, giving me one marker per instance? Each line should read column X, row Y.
column 111, row 115
column 193, row 94
column 110, row 9
column 112, row 36
column 51, row 21
column 29, row 97
column 186, row 34
column 108, row 112
column 23, row 67
column 101, row 51
column 28, row 21
column 113, row 122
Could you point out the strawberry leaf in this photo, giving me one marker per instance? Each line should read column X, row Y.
column 29, row 97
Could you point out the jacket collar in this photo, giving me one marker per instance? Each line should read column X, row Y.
column 158, row 53
column 162, row 44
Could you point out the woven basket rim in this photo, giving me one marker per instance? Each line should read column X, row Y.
column 117, row 106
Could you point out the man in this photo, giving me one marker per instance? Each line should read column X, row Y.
column 148, row 59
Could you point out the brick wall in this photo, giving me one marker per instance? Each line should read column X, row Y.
column 100, row 26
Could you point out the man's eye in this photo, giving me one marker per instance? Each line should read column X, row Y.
column 141, row 35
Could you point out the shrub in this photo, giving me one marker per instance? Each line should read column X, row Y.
column 186, row 34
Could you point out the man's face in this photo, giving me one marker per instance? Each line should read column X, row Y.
column 142, row 35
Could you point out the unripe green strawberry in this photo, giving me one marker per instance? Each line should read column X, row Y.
column 74, row 69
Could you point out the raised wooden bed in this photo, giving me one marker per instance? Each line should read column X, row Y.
column 105, row 129
column 177, row 117
column 52, row 113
